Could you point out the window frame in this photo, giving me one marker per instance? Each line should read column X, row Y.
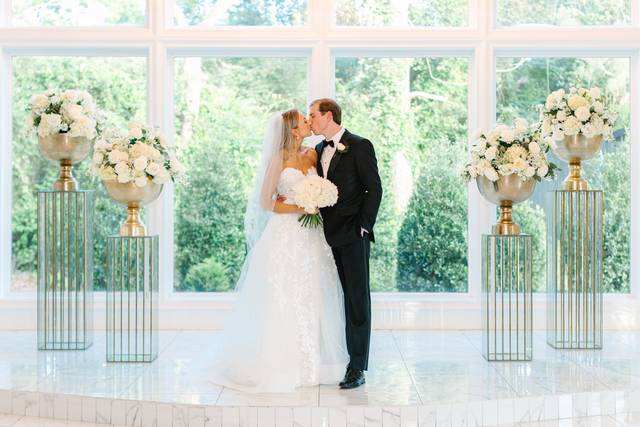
column 322, row 41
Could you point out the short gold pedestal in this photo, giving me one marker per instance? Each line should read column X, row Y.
column 132, row 298
column 507, row 316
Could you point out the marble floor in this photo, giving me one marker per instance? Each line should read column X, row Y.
column 407, row 369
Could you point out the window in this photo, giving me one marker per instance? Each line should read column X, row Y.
column 118, row 85
column 402, row 13
column 245, row 13
column 414, row 110
column 85, row 13
column 564, row 13
column 522, row 83
column 222, row 106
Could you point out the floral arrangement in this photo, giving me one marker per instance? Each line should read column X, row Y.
column 311, row 194
column 138, row 156
column 70, row 111
column 506, row 150
column 581, row 111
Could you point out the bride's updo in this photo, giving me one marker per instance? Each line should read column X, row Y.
column 289, row 122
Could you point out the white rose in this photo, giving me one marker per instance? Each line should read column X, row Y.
column 117, row 156
column 107, row 173
column 135, row 130
column 153, row 168
column 583, row 114
column 491, row 153
column 492, row 137
column 29, row 122
column 141, row 181
column 576, row 101
column 507, row 135
column 122, row 168
column 39, row 102
column 491, row 174
column 561, row 116
column 519, row 164
column 529, row 172
column 595, row 92
column 534, row 147
column 543, row 170
column 123, row 179
column 598, row 107
column 71, row 111
column 161, row 177
column 140, row 163
column 506, row 169
column 571, row 126
column 49, row 124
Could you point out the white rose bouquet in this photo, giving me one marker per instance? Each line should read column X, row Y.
column 581, row 111
column 506, row 150
column 137, row 156
column 70, row 111
column 312, row 193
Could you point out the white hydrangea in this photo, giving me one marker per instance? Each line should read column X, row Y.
column 70, row 111
column 136, row 160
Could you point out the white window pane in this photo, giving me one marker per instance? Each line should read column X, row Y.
column 414, row 110
column 563, row 13
column 84, row 13
column 240, row 12
column 221, row 110
column 119, row 87
column 523, row 83
column 402, row 13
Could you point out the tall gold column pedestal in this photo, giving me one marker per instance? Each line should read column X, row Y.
column 574, row 269
column 65, row 270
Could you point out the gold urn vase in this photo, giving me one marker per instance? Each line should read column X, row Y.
column 67, row 151
column 505, row 192
column 574, row 149
column 134, row 197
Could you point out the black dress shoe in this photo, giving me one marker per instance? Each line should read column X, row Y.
column 347, row 375
column 356, row 379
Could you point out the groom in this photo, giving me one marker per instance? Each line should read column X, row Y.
column 349, row 161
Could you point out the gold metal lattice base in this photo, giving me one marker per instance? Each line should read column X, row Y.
column 132, row 298
column 507, row 322
column 65, row 270
column 574, row 269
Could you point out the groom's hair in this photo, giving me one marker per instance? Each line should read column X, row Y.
column 328, row 104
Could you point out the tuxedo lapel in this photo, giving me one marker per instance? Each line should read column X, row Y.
column 319, row 168
column 337, row 155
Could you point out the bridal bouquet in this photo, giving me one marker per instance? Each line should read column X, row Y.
column 312, row 193
column 506, row 150
column 137, row 156
column 70, row 111
column 581, row 111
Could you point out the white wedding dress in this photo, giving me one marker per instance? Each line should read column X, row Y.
column 287, row 328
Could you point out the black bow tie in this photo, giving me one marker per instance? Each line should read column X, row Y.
column 329, row 142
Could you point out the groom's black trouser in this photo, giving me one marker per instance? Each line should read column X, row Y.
column 352, row 261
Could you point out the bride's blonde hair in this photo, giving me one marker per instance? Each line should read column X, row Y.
column 289, row 122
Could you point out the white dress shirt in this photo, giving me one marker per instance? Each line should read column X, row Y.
column 329, row 151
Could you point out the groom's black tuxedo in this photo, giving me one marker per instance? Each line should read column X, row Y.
column 355, row 172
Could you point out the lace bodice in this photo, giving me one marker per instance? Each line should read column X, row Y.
column 289, row 177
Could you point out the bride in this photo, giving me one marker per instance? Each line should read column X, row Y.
column 287, row 328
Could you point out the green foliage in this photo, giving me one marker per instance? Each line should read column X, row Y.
column 209, row 275
column 432, row 244
column 567, row 12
